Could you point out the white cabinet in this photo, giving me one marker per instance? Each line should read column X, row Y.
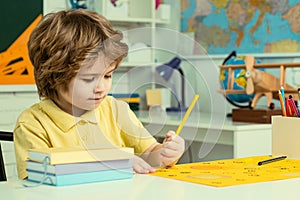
column 138, row 20
column 9, row 158
column 11, row 106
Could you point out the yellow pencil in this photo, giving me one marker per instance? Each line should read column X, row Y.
column 186, row 115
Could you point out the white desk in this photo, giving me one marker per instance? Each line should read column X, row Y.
column 245, row 139
column 146, row 187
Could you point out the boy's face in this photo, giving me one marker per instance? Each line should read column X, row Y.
column 88, row 89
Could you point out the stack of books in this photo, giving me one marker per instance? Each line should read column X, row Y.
column 132, row 99
column 77, row 165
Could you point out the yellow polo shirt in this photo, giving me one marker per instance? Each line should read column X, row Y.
column 46, row 125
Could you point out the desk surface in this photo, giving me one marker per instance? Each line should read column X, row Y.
column 148, row 187
column 199, row 120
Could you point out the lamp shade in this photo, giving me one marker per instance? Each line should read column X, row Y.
column 166, row 70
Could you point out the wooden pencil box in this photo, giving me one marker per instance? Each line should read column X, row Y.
column 260, row 116
column 286, row 136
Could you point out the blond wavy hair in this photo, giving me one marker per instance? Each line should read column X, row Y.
column 62, row 41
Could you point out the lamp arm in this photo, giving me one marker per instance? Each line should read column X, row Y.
column 182, row 88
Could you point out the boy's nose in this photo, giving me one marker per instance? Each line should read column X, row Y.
column 99, row 86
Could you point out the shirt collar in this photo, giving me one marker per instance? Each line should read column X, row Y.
column 64, row 120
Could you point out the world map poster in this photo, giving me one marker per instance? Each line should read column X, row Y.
column 247, row 26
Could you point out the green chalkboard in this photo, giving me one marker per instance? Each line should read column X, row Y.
column 15, row 16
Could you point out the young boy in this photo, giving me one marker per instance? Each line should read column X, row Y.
column 74, row 54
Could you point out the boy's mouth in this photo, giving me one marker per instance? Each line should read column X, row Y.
column 96, row 98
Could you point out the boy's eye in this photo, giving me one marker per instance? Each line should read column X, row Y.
column 108, row 76
column 88, row 79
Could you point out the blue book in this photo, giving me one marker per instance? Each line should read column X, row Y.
column 124, row 95
column 80, row 178
column 72, row 168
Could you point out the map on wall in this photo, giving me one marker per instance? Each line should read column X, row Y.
column 247, row 26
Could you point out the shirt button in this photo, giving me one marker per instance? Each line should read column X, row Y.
column 81, row 122
column 84, row 138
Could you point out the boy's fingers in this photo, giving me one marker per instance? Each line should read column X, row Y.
column 169, row 153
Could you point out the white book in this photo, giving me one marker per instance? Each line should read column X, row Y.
column 72, row 168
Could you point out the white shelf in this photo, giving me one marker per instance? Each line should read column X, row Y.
column 137, row 20
column 18, row 88
column 130, row 20
column 134, row 64
column 138, row 64
column 161, row 21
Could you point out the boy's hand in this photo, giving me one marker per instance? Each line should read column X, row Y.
column 172, row 149
column 140, row 166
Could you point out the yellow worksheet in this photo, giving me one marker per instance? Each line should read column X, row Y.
column 221, row 173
